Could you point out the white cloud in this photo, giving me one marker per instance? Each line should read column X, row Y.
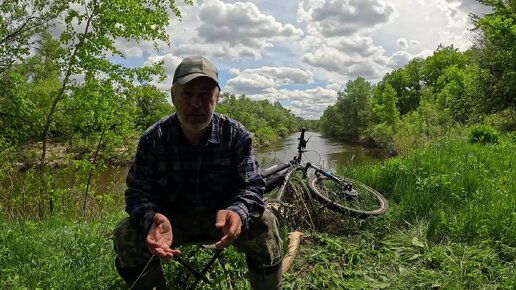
column 350, row 57
column 235, row 31
column 402, row 42
column 342, row 18
column 265, row 79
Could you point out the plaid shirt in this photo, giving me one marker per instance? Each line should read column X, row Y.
column 186, row 182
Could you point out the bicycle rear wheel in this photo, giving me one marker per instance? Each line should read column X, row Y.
column 359, row 201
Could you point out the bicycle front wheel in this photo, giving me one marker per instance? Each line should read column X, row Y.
column 359, row 200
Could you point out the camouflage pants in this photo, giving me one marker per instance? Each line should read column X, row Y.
column 261, row 242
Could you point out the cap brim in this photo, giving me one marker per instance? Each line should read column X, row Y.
column 192, row 76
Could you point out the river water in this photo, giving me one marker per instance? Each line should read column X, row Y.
column 321, row 151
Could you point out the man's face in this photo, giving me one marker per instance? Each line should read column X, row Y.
column 195, row 102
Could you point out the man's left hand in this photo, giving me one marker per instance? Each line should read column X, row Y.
column 230, row 224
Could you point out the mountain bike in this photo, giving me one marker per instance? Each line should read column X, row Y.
column 338, row 193
column 326, row 191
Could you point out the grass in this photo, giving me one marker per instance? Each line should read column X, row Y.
column 451, row 225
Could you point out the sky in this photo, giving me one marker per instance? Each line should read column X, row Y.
column 302, row 53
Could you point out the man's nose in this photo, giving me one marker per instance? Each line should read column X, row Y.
column 195, row 100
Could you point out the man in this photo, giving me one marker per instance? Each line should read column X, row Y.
column 195, row 179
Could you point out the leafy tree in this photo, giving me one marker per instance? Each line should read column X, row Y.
column 384, row 106
column 151, row 105
column 20, row 22
column 407, row 83
column 26, row 92
column 268, row 121
column 329, row 122
column 459, row 93
column 436, row 65
column 495, row 53
column 83, row 58
column 348, row 118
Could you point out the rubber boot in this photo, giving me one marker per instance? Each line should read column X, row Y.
column 152, row 278
column 266, row 277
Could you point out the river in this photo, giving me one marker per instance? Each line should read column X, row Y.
column 321, row 151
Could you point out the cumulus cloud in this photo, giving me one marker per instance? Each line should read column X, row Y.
column 265, row 79
column 470, row 6
column 402, row 42
column 342, row 18
column 351, row 57
column 236, row 31
column 311, row 102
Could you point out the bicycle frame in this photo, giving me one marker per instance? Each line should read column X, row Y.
column 293, row 165
column 289, row 167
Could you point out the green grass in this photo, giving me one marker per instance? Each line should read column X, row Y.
column 451, row 225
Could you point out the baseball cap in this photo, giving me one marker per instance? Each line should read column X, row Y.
column 193, row 67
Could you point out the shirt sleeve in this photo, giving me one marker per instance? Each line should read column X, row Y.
column 140, row 197
column 248, row 203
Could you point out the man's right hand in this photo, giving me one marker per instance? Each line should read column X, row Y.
column 159, row 238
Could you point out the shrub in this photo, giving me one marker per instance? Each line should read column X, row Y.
column 483, row 134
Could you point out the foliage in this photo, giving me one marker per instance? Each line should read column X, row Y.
column 424, row 125
column 349, row 116
column 268, row 121
column 151, row 105
column 20, row 21
column 483, row 134
column 504, row 121
column 495, row 54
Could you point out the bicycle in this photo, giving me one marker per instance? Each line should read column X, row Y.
column 326, row 190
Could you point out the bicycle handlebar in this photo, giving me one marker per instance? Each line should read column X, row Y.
column 301, row 145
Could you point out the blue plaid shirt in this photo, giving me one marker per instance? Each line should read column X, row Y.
column 185, row 182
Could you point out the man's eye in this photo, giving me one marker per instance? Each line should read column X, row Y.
column 187, row 94
column 204, row 95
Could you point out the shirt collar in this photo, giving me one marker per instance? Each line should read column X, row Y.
column 214, row 132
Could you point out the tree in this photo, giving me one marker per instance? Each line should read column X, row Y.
column 83, row 57
column 384, row 107
column 352, row 107
column 495, row 53
column 26, row 92
column 151, row 105
column 20, row 22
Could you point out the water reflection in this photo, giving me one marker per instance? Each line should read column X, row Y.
column 322, row 151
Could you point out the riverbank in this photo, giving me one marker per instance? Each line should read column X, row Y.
column 61, row 155
column 451, row 225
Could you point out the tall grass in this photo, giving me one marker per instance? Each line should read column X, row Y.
column 466, row 192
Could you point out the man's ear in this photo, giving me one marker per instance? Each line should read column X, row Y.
column 218, row 95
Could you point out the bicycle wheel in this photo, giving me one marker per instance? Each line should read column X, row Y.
column 359, row 200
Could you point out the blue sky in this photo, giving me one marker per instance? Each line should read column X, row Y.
column 302, row 53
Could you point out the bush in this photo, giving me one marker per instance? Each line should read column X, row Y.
column 483, row 134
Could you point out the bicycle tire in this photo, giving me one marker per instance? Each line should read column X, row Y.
column 328, row 192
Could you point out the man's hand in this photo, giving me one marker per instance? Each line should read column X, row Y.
column 159, row 238
column 230, row 224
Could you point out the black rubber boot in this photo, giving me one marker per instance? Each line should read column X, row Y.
column 266, row 277
column 135, row 279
